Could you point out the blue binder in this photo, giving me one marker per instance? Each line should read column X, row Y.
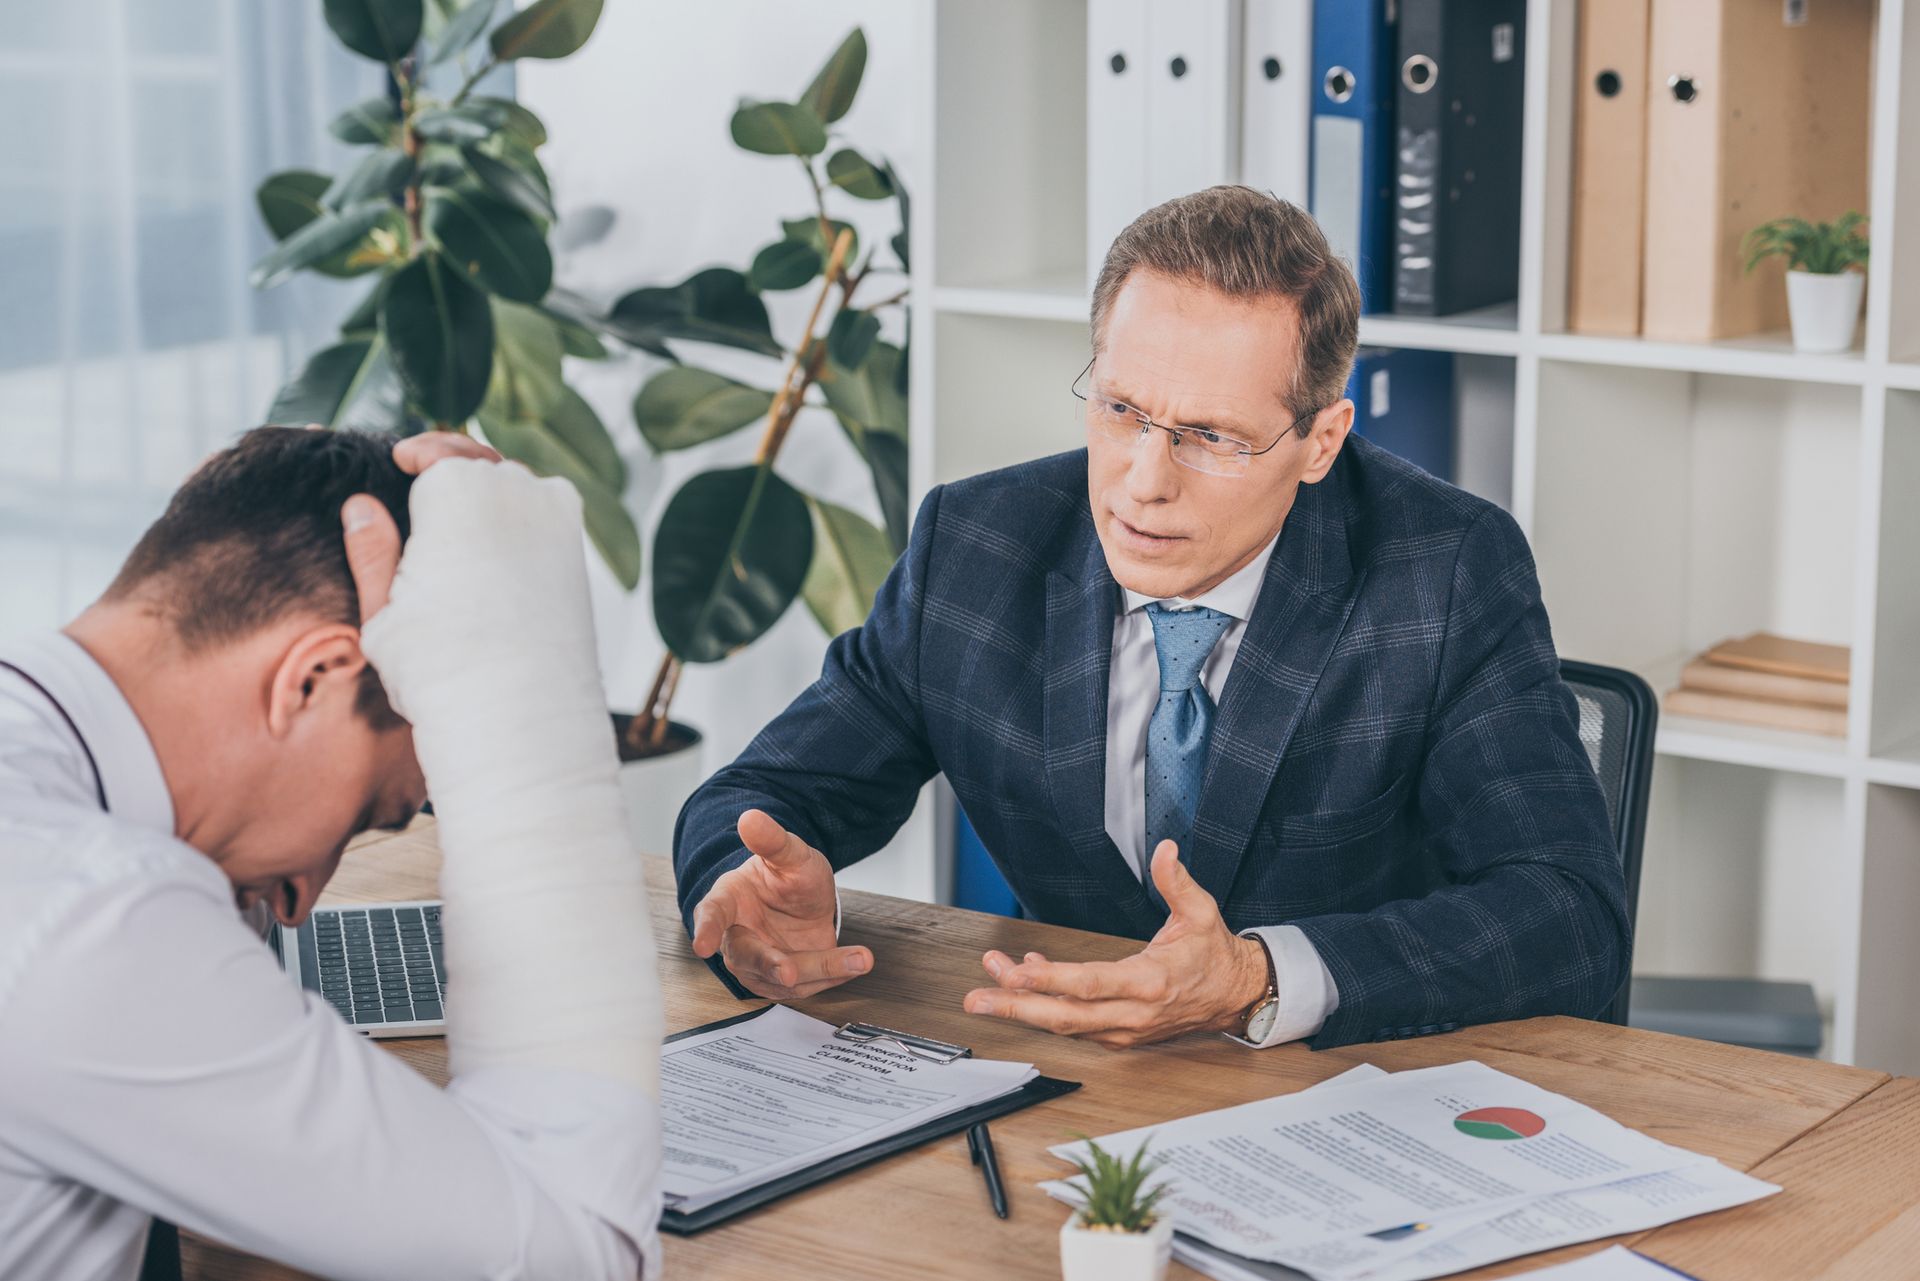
column 1351, row 184
column 977, row 883
column 1403, row 402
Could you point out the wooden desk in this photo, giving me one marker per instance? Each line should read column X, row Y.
column 1764, row 1112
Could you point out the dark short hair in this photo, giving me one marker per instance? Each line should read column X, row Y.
column 1249, row 244
column 254, row 536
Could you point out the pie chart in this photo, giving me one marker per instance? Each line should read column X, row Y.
column 1499, row 1123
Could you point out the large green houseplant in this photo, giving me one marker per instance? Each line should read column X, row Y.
column 737, row 545
column 448, row 212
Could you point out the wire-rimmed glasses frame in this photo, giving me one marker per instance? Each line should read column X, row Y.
column 1200, row 449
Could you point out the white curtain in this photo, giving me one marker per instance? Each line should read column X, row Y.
column 132, row 136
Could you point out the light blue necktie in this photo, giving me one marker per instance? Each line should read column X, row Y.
column 1182, row 724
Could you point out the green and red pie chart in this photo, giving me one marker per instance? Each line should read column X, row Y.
column 1499, row 1123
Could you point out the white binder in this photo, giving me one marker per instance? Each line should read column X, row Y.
column 1163, row 107
column 1276, row 93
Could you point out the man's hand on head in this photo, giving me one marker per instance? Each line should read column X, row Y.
column 771, row 919
column 373, row 540
column 1195, row 975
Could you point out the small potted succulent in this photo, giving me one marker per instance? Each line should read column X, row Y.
column 1823, row 292
column 1116, row 1235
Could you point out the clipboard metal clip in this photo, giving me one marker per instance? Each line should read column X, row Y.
column 920, row 1047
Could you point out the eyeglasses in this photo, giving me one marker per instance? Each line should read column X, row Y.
column 1200, row 448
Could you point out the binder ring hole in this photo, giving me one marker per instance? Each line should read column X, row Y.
column 1418, row 73
column 1339, row 84
column 1683, row 87
column 1118, row 62
column 1178, row 67
column 1271, row 68
column 1608, row 84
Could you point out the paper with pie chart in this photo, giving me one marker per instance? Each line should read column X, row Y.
column 1307, row 1179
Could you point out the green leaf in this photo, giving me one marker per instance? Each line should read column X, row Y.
column 440, row 329
column 809, row 231
column 886, row 456
column 784, row 264
column 714, row 305
column 858, row 176
column 851, row 336
column 546, row 29
column 899, row 241
column 548, row 453
column 350, row 385
column 574, row 423
column 867, row 400
column 324, row 237
column 519, row 123
column 682, row 407
column 730, row 554
column 290, row 199
column 371, row 121
column 457, row 125
column 777, row 129
column 833, row 88
column 510, row 183
column 851, row 558
column 503, row 249
column 576, row 337
column 381, row 174
column 364, row 319
column 462, row 29
column 526, row 364
column 503, row 146
column 384, row 30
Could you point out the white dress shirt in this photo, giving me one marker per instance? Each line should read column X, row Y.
column 1305, row 987
column 154, row 1059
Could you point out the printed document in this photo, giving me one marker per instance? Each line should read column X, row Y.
column 743, row 1105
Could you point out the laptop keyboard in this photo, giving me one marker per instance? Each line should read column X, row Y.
column 380, row 964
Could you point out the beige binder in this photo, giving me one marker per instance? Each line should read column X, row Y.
column 1756, row 109
column 1609, row 168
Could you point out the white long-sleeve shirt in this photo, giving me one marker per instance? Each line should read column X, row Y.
column 154, row 1059
column 1304, row 986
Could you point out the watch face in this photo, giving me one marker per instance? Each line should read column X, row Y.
column 1261, row 1024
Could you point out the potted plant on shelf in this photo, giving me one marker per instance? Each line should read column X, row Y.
column 1823, row 289
column 449, row 212
column 1116, row 1235
column 736, row 546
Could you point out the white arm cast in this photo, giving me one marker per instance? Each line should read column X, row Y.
column 487, row 647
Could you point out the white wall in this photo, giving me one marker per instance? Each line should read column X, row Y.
column 638, row 123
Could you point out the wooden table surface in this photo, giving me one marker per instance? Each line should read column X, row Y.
column 1844, row 1142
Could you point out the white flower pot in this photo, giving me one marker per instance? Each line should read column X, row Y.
column 1088, row 1255
column 1825, row 309
column 655, row 788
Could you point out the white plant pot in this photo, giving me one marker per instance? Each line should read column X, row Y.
column 655, row 789
column 1115, row 1256
column 1824, row 308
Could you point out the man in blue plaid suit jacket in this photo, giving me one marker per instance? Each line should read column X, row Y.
column 1377, row 819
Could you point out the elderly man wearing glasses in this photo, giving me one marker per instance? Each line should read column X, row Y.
column 1226, row 680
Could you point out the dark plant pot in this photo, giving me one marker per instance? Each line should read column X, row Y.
column 656, row 784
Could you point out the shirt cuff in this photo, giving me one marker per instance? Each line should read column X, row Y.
column 1303, row 985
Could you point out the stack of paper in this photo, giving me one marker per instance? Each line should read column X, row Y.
column 1378, row 1177
column 743, row 1105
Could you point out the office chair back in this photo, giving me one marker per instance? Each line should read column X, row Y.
column 1618, row 714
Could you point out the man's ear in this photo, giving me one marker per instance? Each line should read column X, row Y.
column 319, row 671
column 1329, row 433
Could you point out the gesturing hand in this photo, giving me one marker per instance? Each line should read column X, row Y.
column 1194, row 975
column 373, row 540
column 771, row 918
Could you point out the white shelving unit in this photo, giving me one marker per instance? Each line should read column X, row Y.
column 1675, row 494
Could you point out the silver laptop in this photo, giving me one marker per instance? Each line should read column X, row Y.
column 380, row 966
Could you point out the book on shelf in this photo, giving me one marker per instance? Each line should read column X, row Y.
column 1707, row 675
column 1805, row 718
column 1783, row 656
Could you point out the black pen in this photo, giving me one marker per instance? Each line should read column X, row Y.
column 980, row 1145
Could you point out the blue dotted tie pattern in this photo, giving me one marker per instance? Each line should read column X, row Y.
column 1182, row 724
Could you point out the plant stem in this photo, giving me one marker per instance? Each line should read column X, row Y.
column 472, row 80
column 410, row 143
column 649, row 724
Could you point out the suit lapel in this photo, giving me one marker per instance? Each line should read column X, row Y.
column 1082, row 602
column 1299, row 616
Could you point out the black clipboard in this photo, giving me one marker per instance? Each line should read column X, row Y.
column 680, row 1223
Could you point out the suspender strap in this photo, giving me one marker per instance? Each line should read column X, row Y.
column 99, row 780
